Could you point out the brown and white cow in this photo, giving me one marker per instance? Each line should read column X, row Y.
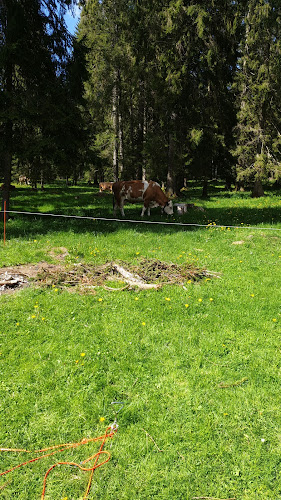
column 105, row 186
column 134, row 191
column 24, row 180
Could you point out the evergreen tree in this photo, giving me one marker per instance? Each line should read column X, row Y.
column 258, row 90
column 33, row 45
column 161, row 75
column 101, row 29
column 213, row 67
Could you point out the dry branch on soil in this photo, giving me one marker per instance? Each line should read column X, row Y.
column 147, row 274
column 11, row 281
column 133, row 280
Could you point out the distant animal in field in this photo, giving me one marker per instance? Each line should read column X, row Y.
column 105, row 186
column 23, row 180
column 150, row 193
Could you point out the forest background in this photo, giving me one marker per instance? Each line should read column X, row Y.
column 169, row 90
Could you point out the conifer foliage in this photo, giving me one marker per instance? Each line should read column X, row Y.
column 147, row 89
column 34, row 105
column 258, row 83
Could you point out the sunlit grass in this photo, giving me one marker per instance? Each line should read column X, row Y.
column 166, row 354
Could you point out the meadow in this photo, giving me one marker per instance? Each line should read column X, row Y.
column 196, row 366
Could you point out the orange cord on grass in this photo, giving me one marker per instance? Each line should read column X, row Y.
column 62, row 447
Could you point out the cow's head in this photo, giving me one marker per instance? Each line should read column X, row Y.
column 168, row 208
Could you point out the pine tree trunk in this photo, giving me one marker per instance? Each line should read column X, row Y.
column 42, row 180
column 120, row 126
column 121, row 146
column 170, row 189
column 8, row 140
column 140, row 133
column 7, row 160
column 115, row 118
column 205, row 188
column 257, row 191
column 144, row 138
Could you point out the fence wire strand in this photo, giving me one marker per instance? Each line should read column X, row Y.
column 161, row 223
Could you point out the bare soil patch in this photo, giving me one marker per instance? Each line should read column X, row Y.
column 15, row 277
column 85, row 278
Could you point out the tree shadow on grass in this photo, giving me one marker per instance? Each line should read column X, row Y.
column 86, row 202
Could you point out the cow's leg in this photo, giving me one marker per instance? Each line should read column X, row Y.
column 145, row 207
column 118, row 203
column 115, row 208
column 121, row 209
column 121, row 206
column 143, row 210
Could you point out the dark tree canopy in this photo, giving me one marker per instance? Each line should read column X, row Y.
column 164, row 90
column 37, row 109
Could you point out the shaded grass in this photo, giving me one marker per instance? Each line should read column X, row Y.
column 216, row 442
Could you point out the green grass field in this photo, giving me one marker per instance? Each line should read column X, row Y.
column 197, row 367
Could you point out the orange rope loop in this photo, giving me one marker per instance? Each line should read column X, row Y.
column 109, row 433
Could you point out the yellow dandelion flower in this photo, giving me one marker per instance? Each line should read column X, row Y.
column 225, row 414
column 43, row 319
column 77, row 361
column 17, row 324
column 143, row 323
column 167, row 298
column 83, row 354
column 100, row 300
column 137, row 253
column 200, row 300
column 102, row 419
column 274, row 319
column 36, row 305
column 33, row 316
column 136, row 298
column 211, row 299
column 186, row 305
column 252, row 295
column 56, row 290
